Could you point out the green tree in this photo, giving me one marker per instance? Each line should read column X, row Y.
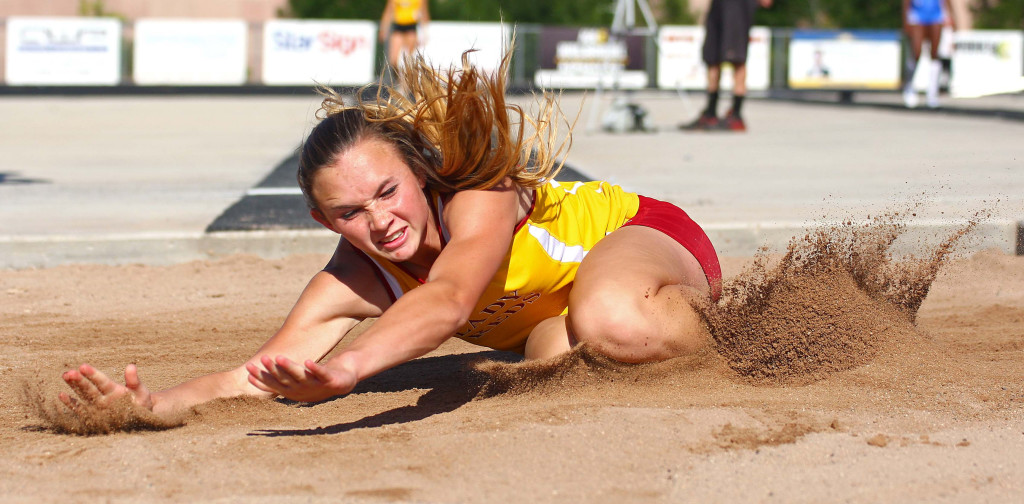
column 999, row 15
column 570, row 13
column 333, row 9
column 676, row 12
column 847, row 14
column 863, row 13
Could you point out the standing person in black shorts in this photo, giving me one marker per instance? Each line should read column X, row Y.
column 727, row 33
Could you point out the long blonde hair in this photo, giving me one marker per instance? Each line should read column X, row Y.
column 455, row 129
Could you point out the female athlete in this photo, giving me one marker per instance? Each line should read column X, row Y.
column 452, row 224
column 924, row 19
column 400, row 26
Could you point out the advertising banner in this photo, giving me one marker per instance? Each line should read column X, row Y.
column 446, row 41
column 681, row 62
column 847, row 60
column 338, row 53
column 190, row 52
column 63, row 51
column 592, row 60
column 987, row 62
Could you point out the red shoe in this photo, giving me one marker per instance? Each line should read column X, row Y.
column 702, row 123
column 732, row 122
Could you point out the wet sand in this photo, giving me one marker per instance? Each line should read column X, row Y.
column 932, row 411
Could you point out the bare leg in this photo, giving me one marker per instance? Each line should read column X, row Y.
column 915, row 34
column 631, row 297
column 714, row 76
column 550, row 338
column 394, row 49
column 934, row 33
column 739, row 77
column 400, row 46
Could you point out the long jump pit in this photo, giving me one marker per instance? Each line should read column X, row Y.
column 836, row 370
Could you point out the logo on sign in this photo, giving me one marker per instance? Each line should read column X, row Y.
column 327, row 41
column 1000, row 50
column 37, row 38
column 288, row 41
column 344, row 44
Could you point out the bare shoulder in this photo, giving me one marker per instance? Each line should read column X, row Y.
column 350, row 279
column 473, row 205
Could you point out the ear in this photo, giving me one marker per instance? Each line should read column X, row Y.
column 421, row 179
column 319, row 216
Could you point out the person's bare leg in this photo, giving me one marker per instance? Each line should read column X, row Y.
column 550, row 338
column 631, row 299
column 915, row 34
column 739, row 77
column 714, row 77
column 401, row 46
column 394, row 49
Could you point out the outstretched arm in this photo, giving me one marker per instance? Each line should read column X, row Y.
column 481, row 224
column 327, row 309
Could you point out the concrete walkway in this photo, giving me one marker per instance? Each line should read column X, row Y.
column 138, row 179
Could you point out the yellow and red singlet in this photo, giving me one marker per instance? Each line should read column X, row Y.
column 533, row 282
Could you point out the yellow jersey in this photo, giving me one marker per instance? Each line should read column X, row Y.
column 407, row 12
column 533, row 282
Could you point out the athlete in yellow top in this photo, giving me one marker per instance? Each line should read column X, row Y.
column 400, row 25
column 451, row 225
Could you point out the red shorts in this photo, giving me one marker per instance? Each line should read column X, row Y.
column 673, row 221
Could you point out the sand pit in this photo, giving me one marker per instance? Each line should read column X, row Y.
column 927, row 411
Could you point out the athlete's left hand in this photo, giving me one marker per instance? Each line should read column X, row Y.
column 307, row 383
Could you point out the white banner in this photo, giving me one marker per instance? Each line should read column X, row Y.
column 63, row 51
column 324, row 52
column 846, row 60
column 190, row 52
column 446, row 41
column 681, row 61
column 591, row 61
column 987, row 62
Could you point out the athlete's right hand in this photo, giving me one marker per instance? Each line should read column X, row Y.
column 94, row 388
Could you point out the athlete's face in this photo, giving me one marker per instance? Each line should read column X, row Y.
column 371, row 197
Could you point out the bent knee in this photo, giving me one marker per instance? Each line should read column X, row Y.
column 613, row 327
column 629, row 331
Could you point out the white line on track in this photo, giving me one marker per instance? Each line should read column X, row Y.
column 273, row 191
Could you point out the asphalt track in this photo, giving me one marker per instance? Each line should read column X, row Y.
column 165, row 179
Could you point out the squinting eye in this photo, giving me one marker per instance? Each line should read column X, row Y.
column 390, row 191
column 349, row 215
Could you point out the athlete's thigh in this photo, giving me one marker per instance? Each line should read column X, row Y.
column 915, row 36
column 934, row 35
column 637, row 258
column 408, row 40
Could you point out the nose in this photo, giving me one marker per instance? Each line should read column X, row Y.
column 379, row 218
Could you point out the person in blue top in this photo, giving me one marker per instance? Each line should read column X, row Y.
column 924, row 19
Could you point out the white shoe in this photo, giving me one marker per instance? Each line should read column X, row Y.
column 932, row 101
column 910, row 98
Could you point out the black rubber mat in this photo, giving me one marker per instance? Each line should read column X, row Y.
column 275, row 203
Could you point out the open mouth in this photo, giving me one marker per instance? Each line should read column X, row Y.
column 393, row 240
